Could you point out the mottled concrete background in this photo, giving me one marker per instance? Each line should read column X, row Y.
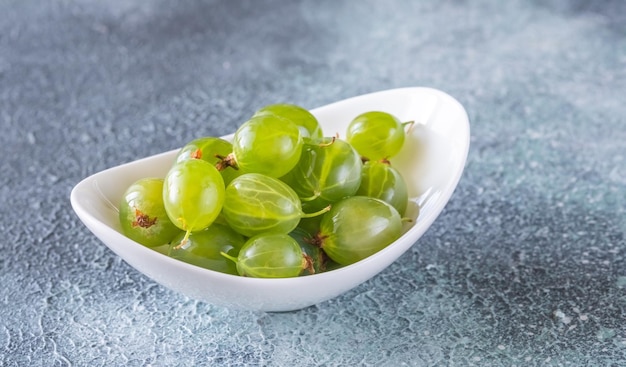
column 526, row 266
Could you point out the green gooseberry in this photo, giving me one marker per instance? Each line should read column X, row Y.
column 142, row 214
column 327, row 171
column 193, row 194
column 266, row 144
column 308, row 125
column 358, row 227
column 376, row 135
column 255, row 203
column 270, row 255
column 204, row 248
column 382, row 181
column 212, row 150
column 315, row 253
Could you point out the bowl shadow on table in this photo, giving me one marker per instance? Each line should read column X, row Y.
column 516, row 279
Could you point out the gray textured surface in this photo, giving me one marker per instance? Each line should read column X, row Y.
column 526, row 266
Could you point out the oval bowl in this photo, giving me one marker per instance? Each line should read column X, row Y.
column 431, row 161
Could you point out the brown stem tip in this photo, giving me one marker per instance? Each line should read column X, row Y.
column 225, row 162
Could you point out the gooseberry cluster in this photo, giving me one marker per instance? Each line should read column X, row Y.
column 280, row 200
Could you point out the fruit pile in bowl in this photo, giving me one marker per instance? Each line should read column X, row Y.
column 294, row 208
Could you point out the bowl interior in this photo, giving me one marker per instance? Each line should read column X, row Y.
column 431, row 161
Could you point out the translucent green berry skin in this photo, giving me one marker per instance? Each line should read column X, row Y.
column 267, row 144
column 382, row 181
column 327, row 171
column 209, row 149
column 193, row 194
column 310, row 225
column 142, row 214
column 307, row 123
column 255, row 203
column 358, row 227
column 204, row 248
column 270, row 256
column 376, row 135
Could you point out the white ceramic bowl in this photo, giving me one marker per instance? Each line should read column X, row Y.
column 431, row 162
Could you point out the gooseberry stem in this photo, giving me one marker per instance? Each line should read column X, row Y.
column 226, row 161
column 383, row 160
column 315, row 214
column 406, row 220
column 332, row 140
column 410, row 124
column 196, row 154
column 318, row 240
column 311, row 198
column 307, row 264
column 231, row 258
column 183, row 241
